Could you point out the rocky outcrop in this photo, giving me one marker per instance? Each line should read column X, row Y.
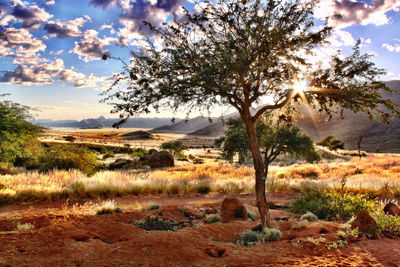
column 232, row 209
column 365, row 223
column 161, row 159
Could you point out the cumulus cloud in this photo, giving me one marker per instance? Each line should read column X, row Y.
column 134, row 13
column 349, row 12
column 31, row 16
column 102, row 3
column 392, row 47
column 21, row 40
column 91, row 47
column 66, row 29
column 50, row 2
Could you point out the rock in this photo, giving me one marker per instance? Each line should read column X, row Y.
column 365, row 223
column 392, row 209
column 161, row 159
column 151, row 151
column 215, row 252
column 233, row 209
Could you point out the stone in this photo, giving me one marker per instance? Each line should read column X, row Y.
column 161, row 159
column 232, row 209
column 392, row 209
column 365, row 223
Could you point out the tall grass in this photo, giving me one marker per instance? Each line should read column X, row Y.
column 378, row 172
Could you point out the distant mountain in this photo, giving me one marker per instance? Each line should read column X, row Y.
column 379, row 136
column 184, row 127
column 103, row 122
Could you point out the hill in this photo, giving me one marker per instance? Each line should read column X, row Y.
column 184, row 126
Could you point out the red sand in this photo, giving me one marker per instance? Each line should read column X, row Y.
column 66, row 239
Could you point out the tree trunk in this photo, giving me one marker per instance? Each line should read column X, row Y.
column 259, row 168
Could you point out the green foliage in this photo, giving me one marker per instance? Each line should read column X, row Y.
column 252, row 215
column 155, row 223
column 387, row 224
column 153, row 207
column 275, row 136
column 234, row 141
column 331, row 142
column 108, row 154
column 309, row 216
column 108, row 207
column 175, row 147
column 138, row 152
column 18, row 138
column 333, row 204
column 250, row 238
column 64, row 157
column 213, row 218
column 6, row 168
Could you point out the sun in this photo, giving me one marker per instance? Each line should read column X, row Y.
column 299, row 87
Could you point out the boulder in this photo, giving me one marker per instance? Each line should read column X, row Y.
column 151, row 151
column 161, row 159
column 392, row 209
column 232, row 209
column 365, row 223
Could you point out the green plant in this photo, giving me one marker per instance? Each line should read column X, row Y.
column 153, row 206
column 24, row 227
column 175, row 147
column 309, row 216
column 387, row 224
column 108, row 154
column 252, row 215
column 330, row 204
column 250, row 238
column 212, row 218
column 155, row 223
column 331, row 142
column 108, row 207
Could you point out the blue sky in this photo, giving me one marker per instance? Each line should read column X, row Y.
column 50, row 49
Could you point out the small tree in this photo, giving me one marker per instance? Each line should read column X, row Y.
column 276, row 136
column 238, row 52
column 175, row 147
column 234, row 141
column 331, row 142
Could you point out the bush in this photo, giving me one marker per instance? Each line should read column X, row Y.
column 252, row 215
column 64, row 157
column 387, row 224
column 7, row 168
column 154, row 223
column 24, row 227
column 250, row 238
column 309, row 216
column 332, row 204
column 213, row 218
column 175, row 147
column 153, row 207
column 108, row 207
column 108, row 154
column 138, row 152
column 332, row 143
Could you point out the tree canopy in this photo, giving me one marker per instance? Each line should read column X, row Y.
column 247, row 54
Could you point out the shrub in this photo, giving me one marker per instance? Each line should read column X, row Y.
column 138, row 152
column 203, row 187
column 64, row 157
column 175, row 147
column 108, row 154
column 333, row 204
column 153, row 207
column 155, row 223
column 108, row 207
column 387, row 224
column 212, row 218
column 24, row 227
column 309, row 216
column 250, row 238
column 331, row 142
column 252, row 215
column 7, row 168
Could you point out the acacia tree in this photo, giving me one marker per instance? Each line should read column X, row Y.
column 240, row 53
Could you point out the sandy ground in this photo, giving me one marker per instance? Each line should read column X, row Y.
column 71, row 234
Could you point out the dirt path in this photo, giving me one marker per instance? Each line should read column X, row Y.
column 72, row 235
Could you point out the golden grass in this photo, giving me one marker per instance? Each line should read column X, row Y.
column 374, row 172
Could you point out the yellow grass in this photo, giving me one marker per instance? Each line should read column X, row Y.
column 373, row 172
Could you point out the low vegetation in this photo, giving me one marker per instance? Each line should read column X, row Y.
column 250, row 238
column 108, row 207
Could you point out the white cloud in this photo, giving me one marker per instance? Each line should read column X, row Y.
column 392, row 48
column 349, row 12
column 66, row 29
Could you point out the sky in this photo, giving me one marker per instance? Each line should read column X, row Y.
column 50, row 50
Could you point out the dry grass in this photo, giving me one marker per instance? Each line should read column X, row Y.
column 377, row 172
